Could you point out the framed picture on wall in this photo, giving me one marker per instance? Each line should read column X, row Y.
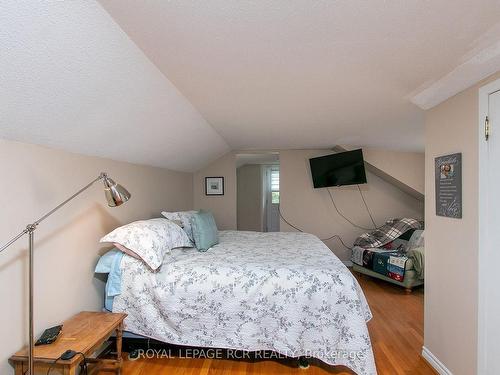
column 448, row 177
column 214, row 185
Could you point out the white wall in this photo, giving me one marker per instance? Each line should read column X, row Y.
column 312, row 210
column 309, row 208
column 34, row 180
column 451, row 254
column 409, row 168
column 223, row 207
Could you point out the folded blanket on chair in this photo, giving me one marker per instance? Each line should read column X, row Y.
column 418, row 257
column 391, row 230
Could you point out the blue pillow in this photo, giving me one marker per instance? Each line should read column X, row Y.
column 110, row 263
column 106, row 261
column 205, row 232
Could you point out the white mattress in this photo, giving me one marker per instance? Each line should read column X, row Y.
column 285, row 292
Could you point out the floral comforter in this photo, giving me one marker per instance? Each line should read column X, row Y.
column 283, row 292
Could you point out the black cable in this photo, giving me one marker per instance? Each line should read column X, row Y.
column 339, row 238
column 367, row 209
column 52, row 365
column 375, row 227
column 346, row 218
column 302, row 231
column 84, row 365
column 342, row 215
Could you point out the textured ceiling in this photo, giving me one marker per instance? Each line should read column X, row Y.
column 177, row 83
column 300, row 73
column 70, row 78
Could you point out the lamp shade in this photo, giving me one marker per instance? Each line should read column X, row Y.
column 115, row 193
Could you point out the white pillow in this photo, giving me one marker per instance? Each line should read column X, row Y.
column 416, row 240
column 185, row 218
column 148, row 240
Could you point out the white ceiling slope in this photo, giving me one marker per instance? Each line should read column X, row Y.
column 264, row 74
column 301, row 73
column 70, row 78
column 481, row 62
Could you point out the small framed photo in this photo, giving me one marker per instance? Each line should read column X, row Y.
column 214, row 185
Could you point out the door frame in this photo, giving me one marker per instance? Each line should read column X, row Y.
column 484, row 240
column 269, row 197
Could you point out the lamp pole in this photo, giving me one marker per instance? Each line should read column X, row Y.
column 31, row 236
column 115, row 195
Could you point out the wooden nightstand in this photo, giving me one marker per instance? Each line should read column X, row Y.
column 85, row 332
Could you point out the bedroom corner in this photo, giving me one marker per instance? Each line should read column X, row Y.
column 67, row 249
column 266, row 187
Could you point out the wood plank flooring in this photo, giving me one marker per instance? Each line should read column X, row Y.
column 396, row 331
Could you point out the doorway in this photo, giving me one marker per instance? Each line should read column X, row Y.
column 489, row 222
column 257, row 205
column 272, row 192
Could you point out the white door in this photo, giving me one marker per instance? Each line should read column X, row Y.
column 489, row 224
column 272, row 199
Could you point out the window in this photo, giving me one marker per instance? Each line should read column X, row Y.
column 275, row 186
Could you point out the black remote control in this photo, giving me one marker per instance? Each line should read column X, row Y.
column 49, row 335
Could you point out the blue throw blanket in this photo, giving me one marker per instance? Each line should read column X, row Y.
column 389, row 263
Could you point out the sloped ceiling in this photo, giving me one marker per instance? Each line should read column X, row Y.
column 70, row 78
column 307, row 74
column 178, row 83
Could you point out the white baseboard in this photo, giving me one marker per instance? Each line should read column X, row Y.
column 434, row 362
column 347, row 263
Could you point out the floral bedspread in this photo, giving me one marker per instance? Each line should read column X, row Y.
column 283, row 292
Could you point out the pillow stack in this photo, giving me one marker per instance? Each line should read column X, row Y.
column 184, row 218
column 148, row 240
column 199, row 226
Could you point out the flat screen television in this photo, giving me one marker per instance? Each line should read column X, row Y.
column 344, row 168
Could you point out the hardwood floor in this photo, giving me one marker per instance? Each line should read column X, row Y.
column 396, row 332
column 397, row 327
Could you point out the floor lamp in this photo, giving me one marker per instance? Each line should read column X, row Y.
column 115, row 196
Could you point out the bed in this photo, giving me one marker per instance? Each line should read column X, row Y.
column 281, row 292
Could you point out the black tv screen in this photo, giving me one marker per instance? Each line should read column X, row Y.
column 344, row 168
